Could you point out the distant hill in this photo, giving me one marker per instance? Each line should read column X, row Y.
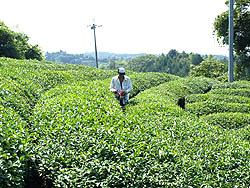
column 87, row 58
column 108, row 55
column 217, row 56
column 174, row 62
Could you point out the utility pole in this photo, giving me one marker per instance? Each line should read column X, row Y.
column 94, row 27
column 231, row 64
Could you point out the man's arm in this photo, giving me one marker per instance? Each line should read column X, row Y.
column 112, row 85
column 130, row 87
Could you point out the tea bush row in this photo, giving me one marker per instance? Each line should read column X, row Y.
column 179, row 89
column 42, row 76
column 216, row 97
column 79, row 91
column 14, row 148
column 228, row 120
column 13, row 96
column 226, row 107
column 37, row 77
column 143, row 81
column 234, row 85
column 80, row 124
column 209, row 107
column 234, row 92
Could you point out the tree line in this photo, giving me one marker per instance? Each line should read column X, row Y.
column 87, row 58
column 173, row 62
column 16, row 45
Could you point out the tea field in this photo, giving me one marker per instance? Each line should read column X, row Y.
column 60, row 126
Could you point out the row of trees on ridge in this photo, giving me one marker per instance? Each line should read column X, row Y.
column 16, row 45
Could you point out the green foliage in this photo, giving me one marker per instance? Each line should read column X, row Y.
column 13, row 96
column 7, row 40
column 14, row 148
column 209, row 107
column 179, row 89
column 63, row 57
column 78, row 136
column 233, row 85
column 73, row 124
column 143, row 81
column 143, row 63
column 216, row 97
column 15, row 45
column 241, row 33
column 90, row 143
column 223, row 106
column 174, row 62
column 211, row 68
column 37, row 77
column 116, row 64
column 34, row 52
column 178, row 63
column 228, row 120
column 196, row 59
column 88, row 59
column 235, row 92
column 243, row 132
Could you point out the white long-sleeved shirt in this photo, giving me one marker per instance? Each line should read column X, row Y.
column 126, row 84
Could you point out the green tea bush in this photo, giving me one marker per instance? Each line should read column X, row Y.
column 143, row 81
column 243, row 132
column 235, row 92
column 233, row 85
column 202, row 154
column 200, row 84
column 82, row 73
column 14, row 148
column 37, row 77
column 216, row 97
column 84, row 140
column 13, row 95
column 71, row 126
column 228, row 120
column 179, row 89
column 209, row 107
column 32, row 76
column 81, row 137
column 83, row 133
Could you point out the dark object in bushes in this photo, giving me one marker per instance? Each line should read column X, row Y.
column 181, row 103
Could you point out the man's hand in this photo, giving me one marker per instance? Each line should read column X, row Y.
column 122, row 93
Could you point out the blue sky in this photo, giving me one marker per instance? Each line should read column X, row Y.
column 131, row 26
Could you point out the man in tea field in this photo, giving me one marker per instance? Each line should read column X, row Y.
column 121, row 85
